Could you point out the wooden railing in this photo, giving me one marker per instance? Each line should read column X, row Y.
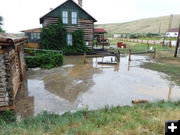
column 34, row 51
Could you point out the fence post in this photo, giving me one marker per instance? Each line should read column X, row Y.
column 154, row 55
column 84, row 57
column 163, row 43
column 129, row 54
column 119, row 56
column 170, row 44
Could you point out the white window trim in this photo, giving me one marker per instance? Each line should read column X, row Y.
column 74, row 17
column 35, row 35
column 69, row 39
column 65, row 17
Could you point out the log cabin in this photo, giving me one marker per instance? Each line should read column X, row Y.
column 74, row 17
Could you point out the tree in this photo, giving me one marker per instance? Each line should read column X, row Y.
column 1, row 20
column 54, row 36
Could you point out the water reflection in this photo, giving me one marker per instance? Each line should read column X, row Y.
column 77, row 85
column 76, row 79
column 170, row 92
column 24, row 104
column 129, row 64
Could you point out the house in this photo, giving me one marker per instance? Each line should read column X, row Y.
column 34, row 37
column 12, row 69
column 172, row 32
column 74, row 17
column 116, row 35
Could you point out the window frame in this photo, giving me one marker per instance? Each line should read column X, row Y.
column 65, row 17
column 69, row 40
column 74, row 18
column 35, row 35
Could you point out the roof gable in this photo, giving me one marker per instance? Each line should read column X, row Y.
column 69, row 5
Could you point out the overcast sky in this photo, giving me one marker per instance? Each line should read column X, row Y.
column 24, row 14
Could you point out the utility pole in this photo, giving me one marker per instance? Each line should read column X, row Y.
column 177, row 43
column 170, row 21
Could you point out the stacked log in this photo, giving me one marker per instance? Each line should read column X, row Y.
column 4, row 96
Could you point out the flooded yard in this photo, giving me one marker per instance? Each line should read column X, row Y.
column 76, row 85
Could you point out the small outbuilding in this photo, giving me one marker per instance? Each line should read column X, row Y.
column 99, row 33
column 12, row 68
column 99, row 36
column 34, row 37
column 172, row 32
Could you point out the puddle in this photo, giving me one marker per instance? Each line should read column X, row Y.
column 76, row 85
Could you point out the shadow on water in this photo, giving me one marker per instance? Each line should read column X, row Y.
column 76, row 85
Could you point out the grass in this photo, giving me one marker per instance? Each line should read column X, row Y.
column 166, row 63
column 144, row 119
column 156, row 38
column 137, row 47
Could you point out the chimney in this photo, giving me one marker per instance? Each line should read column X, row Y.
column 80, row 3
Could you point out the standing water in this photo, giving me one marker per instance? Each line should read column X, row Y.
column 76, row 85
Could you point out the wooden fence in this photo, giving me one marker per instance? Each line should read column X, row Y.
column 164, row 43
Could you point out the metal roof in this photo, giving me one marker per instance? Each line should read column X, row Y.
column 99, row 30
column 35, row 30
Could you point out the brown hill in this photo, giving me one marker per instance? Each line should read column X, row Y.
column 142, row 26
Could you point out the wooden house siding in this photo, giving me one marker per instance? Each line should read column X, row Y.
column 86, row 25
column 84, row 22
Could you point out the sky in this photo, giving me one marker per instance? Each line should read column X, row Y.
column 24, row 14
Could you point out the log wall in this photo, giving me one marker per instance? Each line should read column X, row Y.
column 86, row 25
column 12, row 70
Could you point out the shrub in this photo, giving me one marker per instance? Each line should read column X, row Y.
column 54, row 36
column 45, row 60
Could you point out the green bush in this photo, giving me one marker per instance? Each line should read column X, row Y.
column 45, row 60
column 54, row 36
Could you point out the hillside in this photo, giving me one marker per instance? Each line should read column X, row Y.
column 142, row 26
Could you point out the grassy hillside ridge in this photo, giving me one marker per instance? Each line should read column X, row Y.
column 142, row 25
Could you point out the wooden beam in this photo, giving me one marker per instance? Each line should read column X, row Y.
column 4, row 108
column 1, row 51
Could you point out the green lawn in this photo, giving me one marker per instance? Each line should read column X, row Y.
column 138, row 47
column 144, row 119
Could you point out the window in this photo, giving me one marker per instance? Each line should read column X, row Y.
column 69, row 39
column 38, row 35
column 32, row 35
column 65, row 17
column 35, row 35
column 74, row 17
